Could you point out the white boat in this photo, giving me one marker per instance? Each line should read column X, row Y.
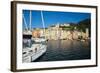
column 34, row 52
column 39, row 39
column 33, row 48
column 27, row 32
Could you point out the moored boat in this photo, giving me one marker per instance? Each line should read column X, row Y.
column 34, row 52
column 33, row 48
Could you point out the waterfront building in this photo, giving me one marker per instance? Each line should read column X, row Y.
column 57, row 32
column 36, row 33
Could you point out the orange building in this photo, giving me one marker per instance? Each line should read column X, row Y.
column 36, row 33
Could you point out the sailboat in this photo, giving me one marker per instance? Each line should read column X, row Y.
column 33, row 48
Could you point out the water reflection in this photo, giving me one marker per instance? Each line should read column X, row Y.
column 58, row 50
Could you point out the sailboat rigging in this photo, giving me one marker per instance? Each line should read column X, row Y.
column 33, row 48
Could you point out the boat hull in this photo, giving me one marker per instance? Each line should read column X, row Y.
column 31, row 54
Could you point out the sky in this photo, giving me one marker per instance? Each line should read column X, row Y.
column 52, row 18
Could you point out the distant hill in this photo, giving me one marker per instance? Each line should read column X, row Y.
column 82, row 25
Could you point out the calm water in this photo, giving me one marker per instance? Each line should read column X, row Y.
column 58, row 50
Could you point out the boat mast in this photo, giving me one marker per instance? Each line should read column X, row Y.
column 30, row 21
column 25, row 22
column 43, row 22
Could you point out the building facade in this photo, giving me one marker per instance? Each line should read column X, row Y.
column 57, row 32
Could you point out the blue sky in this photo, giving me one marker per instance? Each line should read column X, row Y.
column 53, row 17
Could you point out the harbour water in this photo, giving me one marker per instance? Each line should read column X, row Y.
column 58, row 50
